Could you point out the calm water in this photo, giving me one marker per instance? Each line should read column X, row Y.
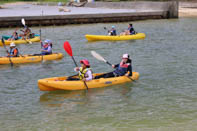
column 164, row 98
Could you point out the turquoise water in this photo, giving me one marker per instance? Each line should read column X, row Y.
column 164, row 98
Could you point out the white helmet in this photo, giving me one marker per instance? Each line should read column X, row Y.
column 12, row 44
column 125, row 56
column 47, row 41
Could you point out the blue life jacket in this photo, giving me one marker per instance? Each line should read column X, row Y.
column 12, row 52
column 46, row 53
column 121, row 69
column 14, row 37
column 131, row 30
column 113, row 32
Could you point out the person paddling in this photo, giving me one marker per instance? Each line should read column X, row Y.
column 14, row 36
column 85, row 72
column 26, row 33
column 47, row 47
column 112, row 32
column 124, row 68
column 129, row 31
column 13, row 51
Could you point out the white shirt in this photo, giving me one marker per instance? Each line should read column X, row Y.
column 88, row 74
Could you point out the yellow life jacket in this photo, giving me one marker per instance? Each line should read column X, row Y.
column 83, row 72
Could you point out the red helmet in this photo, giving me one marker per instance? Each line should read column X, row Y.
column 85, row 62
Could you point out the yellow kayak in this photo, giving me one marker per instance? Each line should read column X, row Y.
column 20, row 41
column 115, row 38
column 30, row 58
column 60, row 83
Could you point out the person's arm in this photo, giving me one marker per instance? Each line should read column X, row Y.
column 76, row 69
column 49, row 49
column 129, row 69
column 22, row 31
column 89, row 73
column 116, row 65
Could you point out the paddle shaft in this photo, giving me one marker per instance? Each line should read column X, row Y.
column 23, row 22
column 79, row 71
column 41, row 36
column 11, row 63
column 68, row 50
column 41, row 42
column 74, row 61
column 106, row 29
column 99, row 57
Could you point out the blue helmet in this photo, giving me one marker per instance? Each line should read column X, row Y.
column 112, row 26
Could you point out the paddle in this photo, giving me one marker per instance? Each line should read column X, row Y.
column 41, row 31
column 68, row 49
column 41, row 41
column 106, row 29
column 11, row 63
column 23, row 22
column 99, row 57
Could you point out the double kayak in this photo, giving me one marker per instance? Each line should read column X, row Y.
column 30, row 58
column 60, row 83
column 20, row 40
column 115, row 38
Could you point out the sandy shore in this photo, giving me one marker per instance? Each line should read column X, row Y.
column 188, row 9
column 187, row 12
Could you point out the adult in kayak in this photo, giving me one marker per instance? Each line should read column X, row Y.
column 124, row 68
column 112, row 32
column 27, row 33
column 85, row 72
column 46, row 48
column 13, row 51
column 129, row 31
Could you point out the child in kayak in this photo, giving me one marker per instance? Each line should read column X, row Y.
column 47, row 47
column 13, row 51
column 112, row 32
column 85, row 72
column 124, row 68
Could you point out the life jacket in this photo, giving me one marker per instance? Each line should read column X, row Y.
column 46, row 47
column 113, row 32
column 14, row 37
column 121, row 69
column 83, row 72
column 12, row 51
column 131, row 30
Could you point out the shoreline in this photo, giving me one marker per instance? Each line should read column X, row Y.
column 96, row 12
column 187, row 9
